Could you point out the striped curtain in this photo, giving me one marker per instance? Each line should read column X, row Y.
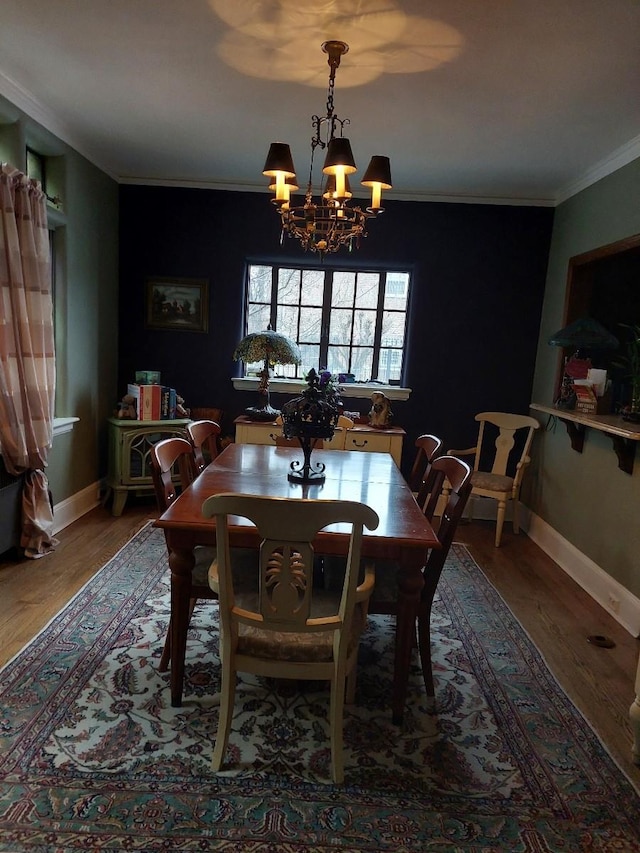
column 27, row 357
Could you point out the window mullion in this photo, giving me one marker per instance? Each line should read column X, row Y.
column 274, row 297
column 377, row 335
column 327, row 296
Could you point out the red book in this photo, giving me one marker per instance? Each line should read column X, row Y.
column 148, row 401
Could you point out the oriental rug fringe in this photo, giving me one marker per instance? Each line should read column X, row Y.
column 93, row 757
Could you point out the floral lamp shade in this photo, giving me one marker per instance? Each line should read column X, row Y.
column 272, row 348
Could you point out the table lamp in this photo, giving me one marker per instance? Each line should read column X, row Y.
column 272, row 348
column 311, row 416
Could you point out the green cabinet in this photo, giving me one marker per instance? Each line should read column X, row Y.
column 129, row 461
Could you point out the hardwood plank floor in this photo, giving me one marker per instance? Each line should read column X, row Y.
column 557, row 614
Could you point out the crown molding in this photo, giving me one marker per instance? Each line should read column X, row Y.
column 616, row 160
column 38, row 112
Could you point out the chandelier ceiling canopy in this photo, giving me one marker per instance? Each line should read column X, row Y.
column 326, row 223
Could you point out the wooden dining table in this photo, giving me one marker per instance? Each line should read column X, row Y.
column 403, row 535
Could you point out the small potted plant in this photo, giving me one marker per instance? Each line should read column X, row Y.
column 630, row 364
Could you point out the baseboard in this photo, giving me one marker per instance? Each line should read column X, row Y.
column 611, row 595
column 73, row 508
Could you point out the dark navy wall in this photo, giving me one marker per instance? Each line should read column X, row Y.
column 479, row 276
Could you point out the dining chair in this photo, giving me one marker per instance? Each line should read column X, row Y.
column 204, row 436
column 501, row 428
column 456, row 474
column 168, row 456
column 289, row 629
column 427, row 449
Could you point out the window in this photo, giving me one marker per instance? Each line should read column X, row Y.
column 37, row 167
column 345, row 320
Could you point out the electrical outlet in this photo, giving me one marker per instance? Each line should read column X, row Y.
column 614, row 603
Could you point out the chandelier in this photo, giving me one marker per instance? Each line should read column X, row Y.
column 325, row 224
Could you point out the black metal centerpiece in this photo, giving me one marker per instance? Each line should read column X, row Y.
column 310, row 417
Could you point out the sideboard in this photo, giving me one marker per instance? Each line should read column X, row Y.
column 360, row 437
column 129, row 463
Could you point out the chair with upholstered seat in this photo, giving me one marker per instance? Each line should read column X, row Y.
column 503, row 480
column 170, row 456
column 289, row 629
column 167, row 457
column 204, row 436
column 456, row 474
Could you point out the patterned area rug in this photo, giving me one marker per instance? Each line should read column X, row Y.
column 94, row 758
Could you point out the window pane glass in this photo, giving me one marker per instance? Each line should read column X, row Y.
column 340, row 326
column 259, row 284
column 389, row 364
column 367, row 290
column 392, row 329
column 257, row 318
column 287, row 321
column 310, row 358
column 344, row 284
column 361, row 361
column 396, row 291
column 338, row 360
column 312, row 287
column 364, row 327
column 289, row 286
column 352, row 335
column 310, row 324
column 289, row 371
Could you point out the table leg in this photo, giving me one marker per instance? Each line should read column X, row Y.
column 181, row 563
column 410, row 584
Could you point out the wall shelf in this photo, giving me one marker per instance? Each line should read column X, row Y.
column 625, row 436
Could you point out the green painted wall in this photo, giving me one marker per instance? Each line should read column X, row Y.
column 585, row 497
column 86, row 299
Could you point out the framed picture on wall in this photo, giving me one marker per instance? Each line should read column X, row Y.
column 179, row 304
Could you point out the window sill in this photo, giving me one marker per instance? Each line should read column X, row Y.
column 349, row 389
column 62, row 425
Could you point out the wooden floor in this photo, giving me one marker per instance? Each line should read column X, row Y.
column 557, row 614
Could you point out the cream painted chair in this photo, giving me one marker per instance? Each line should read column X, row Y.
column 496, row 483
column 290, row 629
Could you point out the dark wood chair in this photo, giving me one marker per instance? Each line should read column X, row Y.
column 427, row 449
column 454, row 476
column 204, row 437
column 167, row 457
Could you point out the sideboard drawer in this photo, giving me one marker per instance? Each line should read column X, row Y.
column 257, row 433
column 372, row 440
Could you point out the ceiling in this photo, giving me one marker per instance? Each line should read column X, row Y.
column 492, row 100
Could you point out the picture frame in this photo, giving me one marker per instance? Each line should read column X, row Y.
column 177, row 304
